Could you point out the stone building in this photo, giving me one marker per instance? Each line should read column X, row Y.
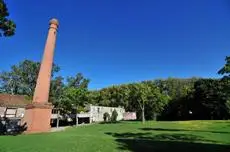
column 13, row 106
column 130, row 116
column 96, row 113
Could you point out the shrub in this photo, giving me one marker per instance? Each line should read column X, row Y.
column 106, row 117
column 114, row 116
column 81, row 109
column 2, row 127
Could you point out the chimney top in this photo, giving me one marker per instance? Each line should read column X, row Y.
column 54, row 21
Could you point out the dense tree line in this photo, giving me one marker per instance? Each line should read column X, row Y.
column 145, row 98
column 168, row 99
column 207, row 99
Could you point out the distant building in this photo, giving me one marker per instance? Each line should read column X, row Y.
column 97, row 112
column 13, row 106
column 130, row 116
column 94, row 114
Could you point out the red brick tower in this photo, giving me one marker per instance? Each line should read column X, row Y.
column 38, row 113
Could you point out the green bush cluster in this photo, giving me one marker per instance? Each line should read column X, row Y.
column 112, row 119
column 106, row 117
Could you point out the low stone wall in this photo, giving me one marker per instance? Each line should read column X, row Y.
column 130, row 116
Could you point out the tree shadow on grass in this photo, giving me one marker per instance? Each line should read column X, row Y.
column 11, row 126
column 165, row 129
column 166, row 146
column 147, row 142
column 109, row 122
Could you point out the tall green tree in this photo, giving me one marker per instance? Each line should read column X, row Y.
column 105, row 99
column 78, row 81
column 225, row 70
column 7, row 26
column 21, row 79
column 176, row 88
column 56, row 90
column 73, row 98
column 146, row 95
column 94, row 97
column 156, row 101
column 210, row 100
column 141, row 92
column 75, row 94
column 179, row 92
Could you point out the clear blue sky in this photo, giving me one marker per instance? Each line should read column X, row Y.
column 121, row 41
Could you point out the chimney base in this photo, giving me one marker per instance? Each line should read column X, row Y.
column 37, row 117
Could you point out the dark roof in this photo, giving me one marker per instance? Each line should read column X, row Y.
column 13, row 100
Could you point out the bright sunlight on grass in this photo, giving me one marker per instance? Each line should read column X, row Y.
column 189, row 136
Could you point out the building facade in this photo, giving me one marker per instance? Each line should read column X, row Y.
column 13, row 106
column 97, row 112
column 130, row 116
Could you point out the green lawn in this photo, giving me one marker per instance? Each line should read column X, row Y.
column 188, row 136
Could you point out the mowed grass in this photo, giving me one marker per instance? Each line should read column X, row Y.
column 188, row 136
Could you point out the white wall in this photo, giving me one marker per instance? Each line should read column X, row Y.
column 97, row 112
column 2, row 111
column 19, row 112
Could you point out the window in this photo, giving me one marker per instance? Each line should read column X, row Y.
column 11, row 112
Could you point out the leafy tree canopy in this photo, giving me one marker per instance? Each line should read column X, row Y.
column 7, row 26
column 226, row 69
column 21, row 79
column 78, row 81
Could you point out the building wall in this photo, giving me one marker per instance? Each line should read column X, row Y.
column 97, row 112
column 19, row 112
column 130, row 116
column 2, row 111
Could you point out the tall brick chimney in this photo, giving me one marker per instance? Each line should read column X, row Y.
column 38, row 113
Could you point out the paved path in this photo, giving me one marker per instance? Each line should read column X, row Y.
column 54, row 129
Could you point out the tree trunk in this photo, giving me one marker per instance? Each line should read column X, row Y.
column 155, row 116
column 58, row 115
column 76, row 120
column 143, row 114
